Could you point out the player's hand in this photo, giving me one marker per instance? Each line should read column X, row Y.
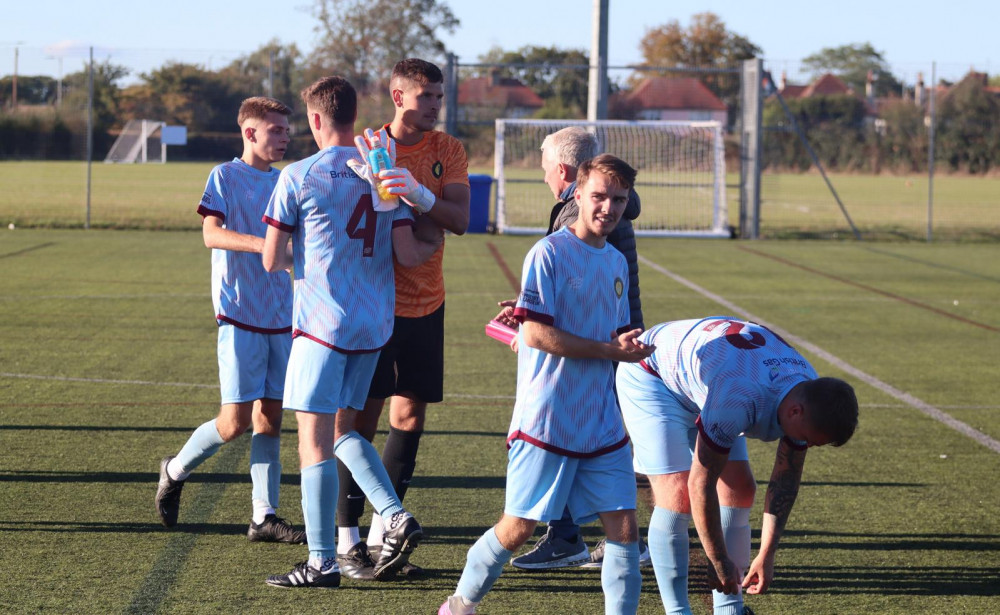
column 400, row 182
column 506, row 315
column 363, row 143
column 723, row 576
column 760, row 575
column 626, row 348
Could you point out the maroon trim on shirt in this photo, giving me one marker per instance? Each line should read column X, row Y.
column 402, row 222
column 712, row 445
column 522, row 314
column 520, row 435
column 648, row 369
column 247, row 327
column 281, row 226
column 300, row 332
column 795, row 445
column 205, row 212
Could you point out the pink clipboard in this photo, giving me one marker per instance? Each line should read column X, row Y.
column 500, row 332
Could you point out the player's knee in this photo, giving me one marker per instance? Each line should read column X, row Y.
column 512, row 532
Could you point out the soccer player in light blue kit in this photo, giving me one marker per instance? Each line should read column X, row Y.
column 254, row 312
column 342, row 316
column 710, row 384
column 568, row 446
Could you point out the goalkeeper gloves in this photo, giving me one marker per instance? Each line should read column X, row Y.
column 382, row 200
column 400, row 182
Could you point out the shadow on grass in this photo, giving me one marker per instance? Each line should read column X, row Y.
column 57, row 476
column 915, row 580
column 153, row 429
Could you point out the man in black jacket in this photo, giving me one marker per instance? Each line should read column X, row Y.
column 562, row 153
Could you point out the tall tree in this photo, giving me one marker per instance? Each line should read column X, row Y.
column 968, row 133
column 554, row 74
column 187, row 94
column 363, row 39
column 706, row 43
column 31, row 90
column 107, row 92
column 852, row 64
column 249, row 73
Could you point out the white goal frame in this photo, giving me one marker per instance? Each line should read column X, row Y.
column 133, row 143
column 681, row 197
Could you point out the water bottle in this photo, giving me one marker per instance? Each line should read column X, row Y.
column 378, row 158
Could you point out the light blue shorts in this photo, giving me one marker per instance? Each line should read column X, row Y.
column 663, row 431
column 541, row 484
column 321, row 379
column 252, row 365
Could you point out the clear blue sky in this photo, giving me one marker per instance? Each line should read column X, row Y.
column 958, row 35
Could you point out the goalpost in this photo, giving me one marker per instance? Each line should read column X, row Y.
column 681, row 174
column 145, row 141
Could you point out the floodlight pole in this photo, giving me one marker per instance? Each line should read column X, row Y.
column 90, row 130
column 930, row 154
column 270, row 73
column 13, row 95
column 597, row 89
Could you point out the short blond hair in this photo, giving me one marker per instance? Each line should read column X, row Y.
column 617, row 170
column 256, row 107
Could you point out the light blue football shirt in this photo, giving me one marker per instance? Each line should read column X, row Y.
column 568, row 405
column 342, row 250
column 732, row 372
column 244, row 294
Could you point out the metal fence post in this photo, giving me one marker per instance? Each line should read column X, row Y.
column 750, row 150
column 451, row 96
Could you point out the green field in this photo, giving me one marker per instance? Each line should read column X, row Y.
column 154, row 196
column 108, row 363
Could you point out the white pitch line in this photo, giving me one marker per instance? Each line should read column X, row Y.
column 902, row 396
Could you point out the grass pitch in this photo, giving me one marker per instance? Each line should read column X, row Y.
column 108, row 363
column 165, row 197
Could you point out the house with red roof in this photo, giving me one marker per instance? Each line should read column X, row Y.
column 494, row 97
column 825, row 85
column 670, row 98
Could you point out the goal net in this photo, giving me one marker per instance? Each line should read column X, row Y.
column 681, row 177
column 139, row 141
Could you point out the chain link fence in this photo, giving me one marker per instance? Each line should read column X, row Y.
column 873, row 151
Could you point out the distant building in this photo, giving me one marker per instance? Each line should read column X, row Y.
column 825, row 85
column 493, row 97
column 669, row 98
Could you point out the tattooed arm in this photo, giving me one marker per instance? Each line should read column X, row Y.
column 706, row 467
column 781, row 492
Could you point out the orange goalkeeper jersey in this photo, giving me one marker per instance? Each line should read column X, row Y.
column 436, row 161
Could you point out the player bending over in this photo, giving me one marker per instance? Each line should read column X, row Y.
column 689, row 407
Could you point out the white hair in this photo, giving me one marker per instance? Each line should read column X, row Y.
column 570, row 146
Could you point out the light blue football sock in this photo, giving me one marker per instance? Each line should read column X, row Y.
column 265, row 468
column 366, row 467
column 483, row 566
column 736, row 531
column 669, row 546
column 620, row 577
column 200, row 446
column 319, row 508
